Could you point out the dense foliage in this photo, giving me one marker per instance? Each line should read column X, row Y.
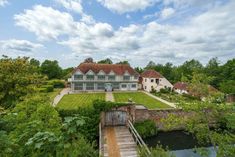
column 18, row 78
column 221, row 76
column 146, row 128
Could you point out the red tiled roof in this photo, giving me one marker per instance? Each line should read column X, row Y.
column 118, row 69
column 181, row 86
column 151, row 74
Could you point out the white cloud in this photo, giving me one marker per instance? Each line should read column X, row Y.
column 123, row 6
column 3, row 2
column 46, row 22
column 187, row 3
column 19, row 45
column 167, row 12
column 209, row 34
column 88, row 19
column 14, row 47
column 74, row 5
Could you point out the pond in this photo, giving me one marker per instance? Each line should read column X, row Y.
column 179, row 143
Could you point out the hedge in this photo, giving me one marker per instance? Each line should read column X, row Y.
column 56, row 83
column 48, row 88
column 146, row 128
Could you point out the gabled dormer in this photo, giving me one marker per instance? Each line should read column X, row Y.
column 111, row 76
column 126, row 76
column 101, row 75
column 90, row 75
column 78, row 75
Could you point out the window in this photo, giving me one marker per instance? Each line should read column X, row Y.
column 152, row 80
column 78, row 86
column 133, row 86
column 90, row 77
column 135, row 77
column 90, row 86
column 78, row 77
column 157, row 81
column 123, row 85
column 145, row 87
column 145, row 80
column 115, row 85
column 101, row 77
column 111, row 77
column 126, row 77
column 100, row 86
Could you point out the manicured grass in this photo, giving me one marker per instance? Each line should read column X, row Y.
column 74, row 101
column 140, row 98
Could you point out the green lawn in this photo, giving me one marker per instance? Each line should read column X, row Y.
column 140, row 98
column 74, row 101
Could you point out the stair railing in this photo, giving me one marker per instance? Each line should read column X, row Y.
column 138, row 139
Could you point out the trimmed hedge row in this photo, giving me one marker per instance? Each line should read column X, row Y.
column 56, row 83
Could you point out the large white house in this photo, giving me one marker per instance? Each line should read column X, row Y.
column 150, row 79
column 104, row 77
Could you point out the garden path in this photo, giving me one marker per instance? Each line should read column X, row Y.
column 60, row 96
column 109, row 96
column 160, row 99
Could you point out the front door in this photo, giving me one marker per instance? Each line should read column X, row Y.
column 108, row 87
column 114, row 118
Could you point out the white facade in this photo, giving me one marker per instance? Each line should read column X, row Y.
column 103, row 82
column 157, row 84
column 180, row 91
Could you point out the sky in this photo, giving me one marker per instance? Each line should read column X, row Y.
column 138, row 31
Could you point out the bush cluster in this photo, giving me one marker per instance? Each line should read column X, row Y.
column 56, row 83
column 146, row 128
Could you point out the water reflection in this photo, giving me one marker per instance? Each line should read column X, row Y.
column 179, row 143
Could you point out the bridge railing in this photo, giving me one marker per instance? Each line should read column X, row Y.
column 138, row 139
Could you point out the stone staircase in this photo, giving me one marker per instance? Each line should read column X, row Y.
column 126, row 146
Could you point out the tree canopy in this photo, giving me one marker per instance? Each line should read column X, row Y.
column 51, row 69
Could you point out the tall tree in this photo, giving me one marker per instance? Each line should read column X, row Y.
column 213, row 69
column 51, row 69
column 123, row 62
column 189, row 67
column 89, row 60
column 139, row 70
column 105, row 61
column 150, row 65
column 34, row 62
column 18, row 78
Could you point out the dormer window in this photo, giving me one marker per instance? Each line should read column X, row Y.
column 78, row 77
column 111, row 77
column 126, row 78
column 101, row 77
column 90, row 77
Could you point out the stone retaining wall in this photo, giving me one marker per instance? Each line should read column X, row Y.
column 159, row 115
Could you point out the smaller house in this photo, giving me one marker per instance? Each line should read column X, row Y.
column 151, row 79
column 181, row 88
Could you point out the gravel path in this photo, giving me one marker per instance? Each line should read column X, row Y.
column 109, row 96
column 60, row 96
column 160, row 99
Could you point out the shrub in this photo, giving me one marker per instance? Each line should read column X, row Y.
column 91, row 116
column 56, row 83
column 42, row 90
column 146, row 128
column 165, row 90
column 49, row 88
column 190, row 97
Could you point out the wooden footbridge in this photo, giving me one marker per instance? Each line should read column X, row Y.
column 118, row 137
